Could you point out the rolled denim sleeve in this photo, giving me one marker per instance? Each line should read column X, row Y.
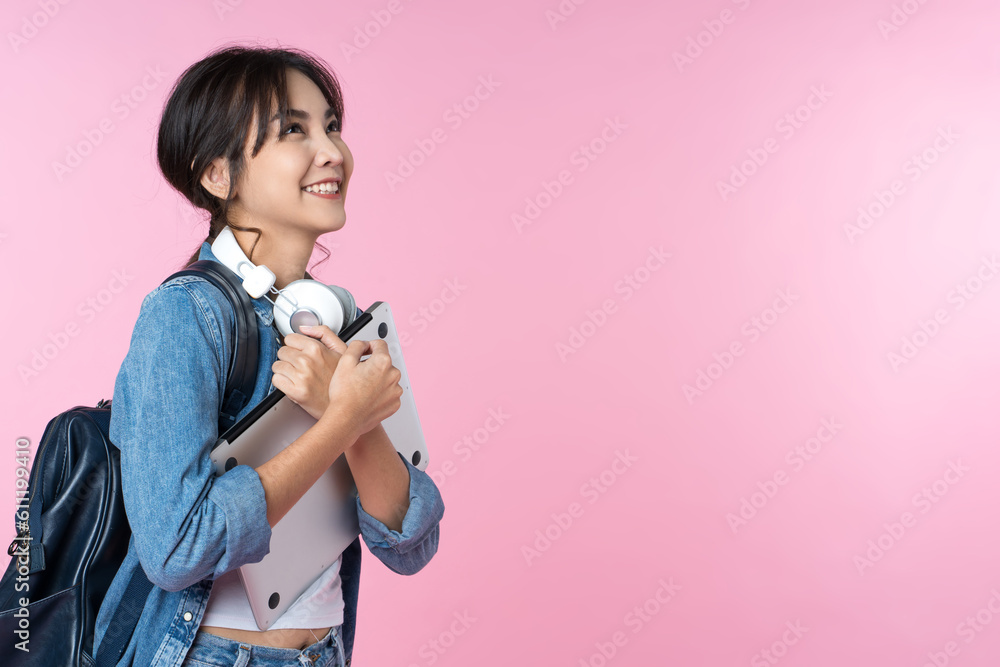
column 408, row 551
column 188, row 524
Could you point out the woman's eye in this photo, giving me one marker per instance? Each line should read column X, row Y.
column 334, row 126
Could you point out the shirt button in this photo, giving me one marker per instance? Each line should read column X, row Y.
column 188, row 616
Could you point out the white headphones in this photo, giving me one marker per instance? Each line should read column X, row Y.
column 301, row 302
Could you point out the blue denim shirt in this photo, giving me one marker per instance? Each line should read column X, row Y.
column 188, row 525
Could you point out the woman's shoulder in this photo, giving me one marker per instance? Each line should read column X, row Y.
column 188, row 293
column 184, row 307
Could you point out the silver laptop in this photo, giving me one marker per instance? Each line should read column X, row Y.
column 327, row 512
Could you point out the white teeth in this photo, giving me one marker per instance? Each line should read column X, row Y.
column 323, row 188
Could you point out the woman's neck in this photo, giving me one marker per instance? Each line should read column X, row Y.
column 287, row 260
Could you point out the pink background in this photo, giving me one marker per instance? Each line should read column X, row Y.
column 671, row 516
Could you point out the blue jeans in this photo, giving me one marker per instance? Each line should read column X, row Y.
column 215, row 651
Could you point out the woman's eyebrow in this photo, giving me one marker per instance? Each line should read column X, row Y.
column 304, row 115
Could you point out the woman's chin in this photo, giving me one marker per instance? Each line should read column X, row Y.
column 334, row 224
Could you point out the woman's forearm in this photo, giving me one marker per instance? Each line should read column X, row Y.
column 291, row 472
column 381, row 477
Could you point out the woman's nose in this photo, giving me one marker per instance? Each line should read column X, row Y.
column 329, row 153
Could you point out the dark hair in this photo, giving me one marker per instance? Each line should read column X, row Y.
column 210, row 112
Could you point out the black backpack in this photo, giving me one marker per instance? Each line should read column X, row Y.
column 72, row 532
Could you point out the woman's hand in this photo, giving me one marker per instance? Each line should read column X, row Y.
column 367, row 392
column 305, row 366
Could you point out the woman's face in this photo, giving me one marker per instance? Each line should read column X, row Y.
column 307, row 150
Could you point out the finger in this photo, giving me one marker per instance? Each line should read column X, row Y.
column 297, row 340
column 326, row 336
column 355, row 349
column 284, row 369
column 300, row 344
column 380, row 351
column 379, row 346
column 281, row 383
column 298, row 359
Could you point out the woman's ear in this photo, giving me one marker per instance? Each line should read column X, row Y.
column 215, row 178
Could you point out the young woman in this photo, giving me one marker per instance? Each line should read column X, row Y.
column 246, row 135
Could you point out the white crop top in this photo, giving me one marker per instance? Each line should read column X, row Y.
column 321, row 605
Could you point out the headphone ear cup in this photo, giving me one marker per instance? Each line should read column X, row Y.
column 311, row 302
column 347, row 302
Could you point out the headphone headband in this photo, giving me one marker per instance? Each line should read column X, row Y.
column 305, row 301
column 257, row 280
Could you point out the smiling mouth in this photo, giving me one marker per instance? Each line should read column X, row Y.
column 323, row 188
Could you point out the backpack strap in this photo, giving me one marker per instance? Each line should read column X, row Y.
column 242, row 374
column 240, row 382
